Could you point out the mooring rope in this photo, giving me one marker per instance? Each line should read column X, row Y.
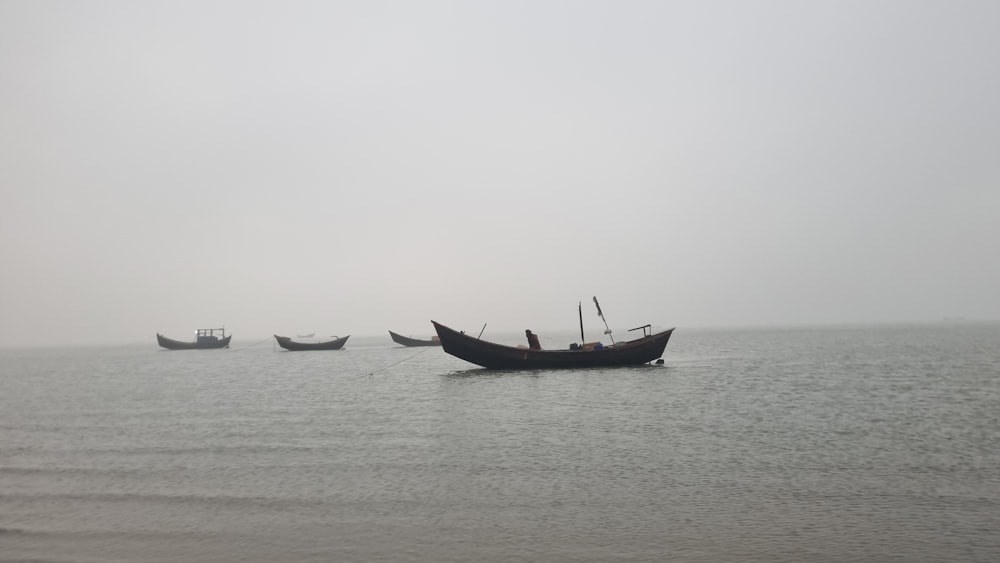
column 410, row 357
column 252, row 345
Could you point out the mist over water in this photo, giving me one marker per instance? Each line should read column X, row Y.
column 351, row 167
column 832, row 444
column 348, row 167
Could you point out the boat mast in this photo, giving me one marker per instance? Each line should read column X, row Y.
column 607, row 330
column 579, row 309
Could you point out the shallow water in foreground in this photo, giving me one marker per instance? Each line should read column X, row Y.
column 830, row 444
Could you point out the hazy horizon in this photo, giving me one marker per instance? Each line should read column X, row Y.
column 551, row 337
column 353, row 168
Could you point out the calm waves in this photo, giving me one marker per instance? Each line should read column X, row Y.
column 832, row 444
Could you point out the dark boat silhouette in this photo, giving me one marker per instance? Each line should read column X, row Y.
column 405, row 341
column 289, row 344
column 498, row 356
column 205, row 339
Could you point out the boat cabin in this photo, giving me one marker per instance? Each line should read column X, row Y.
column 206, row 335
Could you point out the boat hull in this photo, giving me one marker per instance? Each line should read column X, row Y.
column 497, row 356
column 289, row 344
column 201, row 344
column 400, row 339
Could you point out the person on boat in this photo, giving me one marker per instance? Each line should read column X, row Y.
column 533, row 343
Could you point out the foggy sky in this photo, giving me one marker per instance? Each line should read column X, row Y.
column 355, row 167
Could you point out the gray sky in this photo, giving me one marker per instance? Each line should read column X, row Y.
column 353, row 167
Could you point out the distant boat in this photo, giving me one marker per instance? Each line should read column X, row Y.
column 205, row 339
column 498, row 356
column 289, row 344
column 400, row 339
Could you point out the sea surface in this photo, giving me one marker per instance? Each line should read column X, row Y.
column 876, row 443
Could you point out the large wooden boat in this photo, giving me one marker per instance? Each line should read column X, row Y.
column 498, row 356
column 289, row 344
column 405, row 341
column 205, row 339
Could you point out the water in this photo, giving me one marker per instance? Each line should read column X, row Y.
column 833, row 444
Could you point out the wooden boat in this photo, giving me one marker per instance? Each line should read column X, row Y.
column 205, row 339
column 289, row 344
column 405, row 341
column 497, row 356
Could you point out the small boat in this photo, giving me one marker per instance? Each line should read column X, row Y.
column 289, row 344
column 405, row 341
column 498, row 356
column 205, row 339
